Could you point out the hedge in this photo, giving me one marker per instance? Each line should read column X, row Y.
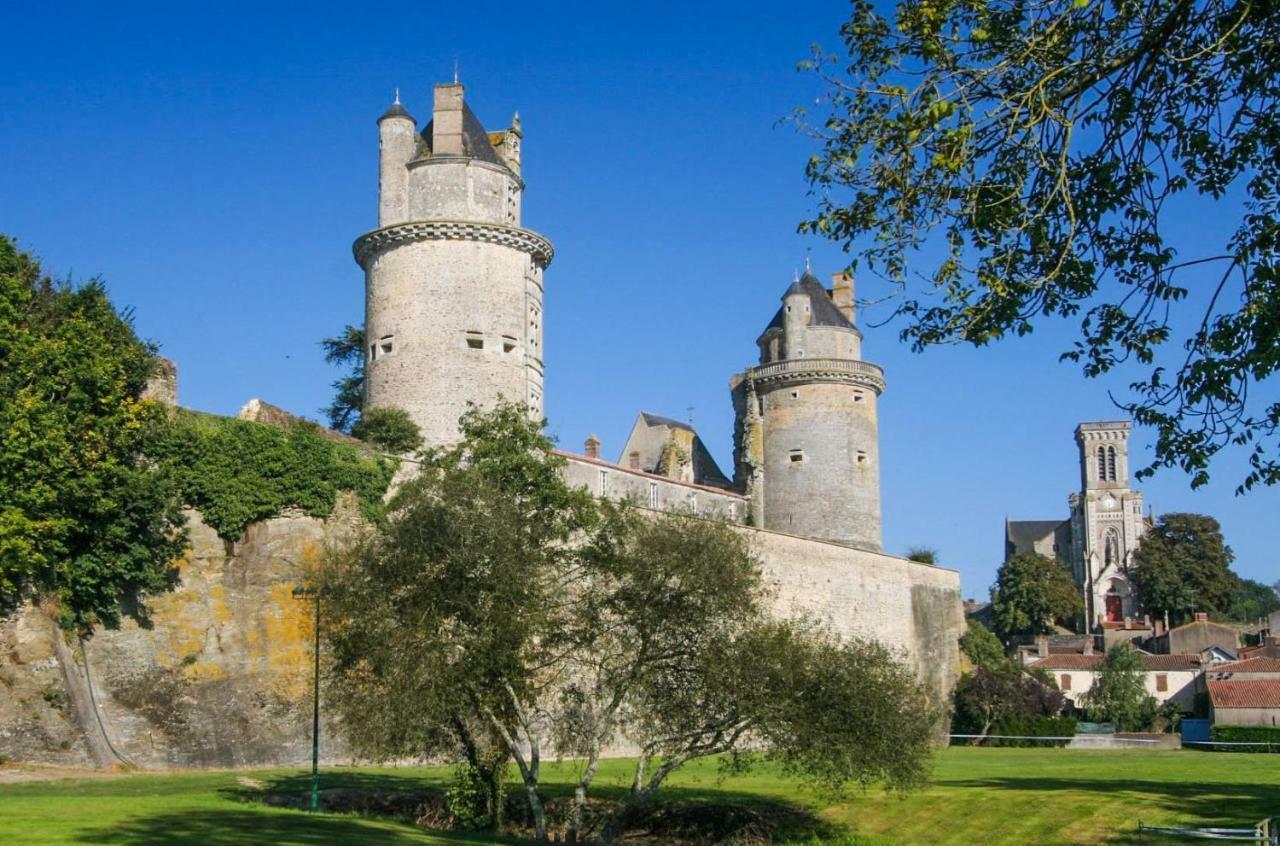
column 1033, row 727
column 1246, row 734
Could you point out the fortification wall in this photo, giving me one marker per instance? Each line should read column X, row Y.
column 223, row 676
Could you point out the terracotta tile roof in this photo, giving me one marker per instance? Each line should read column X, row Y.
column 1250, row 665
column 1094, row 662
column 1245, row 693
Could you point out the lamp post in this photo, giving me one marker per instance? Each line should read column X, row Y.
column 301, row 592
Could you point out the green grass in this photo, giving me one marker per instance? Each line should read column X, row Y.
column 994, row 797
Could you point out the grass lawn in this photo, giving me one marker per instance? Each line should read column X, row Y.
column 993, row 797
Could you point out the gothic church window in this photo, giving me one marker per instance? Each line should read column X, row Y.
column 1111, row 548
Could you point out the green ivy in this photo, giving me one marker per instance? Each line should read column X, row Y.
column 236, row 472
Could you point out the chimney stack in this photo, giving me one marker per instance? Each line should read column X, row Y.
column 842, row 293
column 1042, row 646
column 592, row 447
column 634, row 460
column 446, row 127
column 1088, row 644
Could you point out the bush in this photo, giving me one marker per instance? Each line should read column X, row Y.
column 388, row 428
column 1030, row 727
column 1246, row 734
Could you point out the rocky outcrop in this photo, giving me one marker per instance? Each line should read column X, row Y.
column 220, row 677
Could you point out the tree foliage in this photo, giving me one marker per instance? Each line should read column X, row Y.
column 86, row 521
column 1253, row 600
column 391, row 429
column 346, row 350
column 1031, row 156
column 501, row 612
column 980, row 645
column 1183, row 566
column 1119, row 692
column 1001, row 692
column 1030, row 593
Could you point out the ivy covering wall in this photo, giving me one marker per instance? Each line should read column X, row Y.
column 236, row 472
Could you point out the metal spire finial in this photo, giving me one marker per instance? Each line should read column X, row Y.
column 807, row 269
column 455, row 71
column 397, row 95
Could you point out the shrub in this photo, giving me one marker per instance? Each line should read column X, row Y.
column 1030, row 727
column 388, row 428
column 1246, row 734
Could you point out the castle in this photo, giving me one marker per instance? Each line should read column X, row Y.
column 1104, row 529
column 454, row 316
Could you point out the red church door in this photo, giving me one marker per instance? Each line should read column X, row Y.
column 1115, row 609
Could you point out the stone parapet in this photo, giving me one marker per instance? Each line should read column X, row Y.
column 795, row 370
column 372, row 243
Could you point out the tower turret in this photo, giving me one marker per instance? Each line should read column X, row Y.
column 453, row 282
column 807, row 445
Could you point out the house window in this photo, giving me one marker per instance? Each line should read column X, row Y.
column 653, row 494
column 1162, row 683
column 604, row 483
column 1065, row 681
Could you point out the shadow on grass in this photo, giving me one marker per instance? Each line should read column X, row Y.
column 678, row 815
column 1211, row 803
column 234, row 827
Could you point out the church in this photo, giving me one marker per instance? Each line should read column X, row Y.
column 1105, row 527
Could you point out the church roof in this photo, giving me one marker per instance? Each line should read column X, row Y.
column 475, row 141
column 822, row 311
column 1025, row 532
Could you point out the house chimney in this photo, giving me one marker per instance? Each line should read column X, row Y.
column 842, row 293
column 591, row 449
column 446, row 127
column 1042, row 646
column 1088, row 644
column 1202, row 617
column 1159, row 627
column 633, row 459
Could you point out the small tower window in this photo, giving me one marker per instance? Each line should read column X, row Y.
column 373, row 352
column 386, row 343
column 797, row 455
column 1102, row 464
column 1111, row 463
column 508, row 343
column 857, row 396
column 475, row 340
column 795, row 394
column 862, row 457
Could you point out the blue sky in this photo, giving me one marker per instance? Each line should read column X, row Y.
column 215, row 163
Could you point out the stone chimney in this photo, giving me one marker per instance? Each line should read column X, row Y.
column 1159, row 627
column 842, row 293
column 1042, row 646
column 633, row 460
column 1088, row 644
column 446, row 117
column 591, row 449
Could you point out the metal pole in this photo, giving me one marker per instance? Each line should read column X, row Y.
column 315, row 718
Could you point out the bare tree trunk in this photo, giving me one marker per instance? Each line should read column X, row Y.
column 86, row 715
column 580, row 794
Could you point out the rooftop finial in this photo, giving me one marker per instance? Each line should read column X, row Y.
column 397, row 95
column 455, row 71
column 807, row 269
column 795, row 276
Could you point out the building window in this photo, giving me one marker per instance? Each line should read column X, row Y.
column 862, row 457
column 1111, row 463
column 693, row 503
column 1102, row 464
column 653, row 494
column 604, row 483
column 373, row 352
column 857, row 396
column 385, row 343
column 475, row 340
column 797, row 455
column 508, row 343
column 1065, row 682
column 1162, row 683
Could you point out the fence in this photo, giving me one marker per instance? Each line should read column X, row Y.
column 1265, row 833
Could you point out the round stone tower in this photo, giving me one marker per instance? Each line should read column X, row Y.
column 807, row 444
column 453, row 283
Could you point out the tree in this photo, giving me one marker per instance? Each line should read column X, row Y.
column 1183, row 566
column 1252, row 601
column 391, row 429
column 992, row 694
column 923, row 554
column 1119, row 692
column 502, row 610
column 980, row 645
column 88, row 525
column 1030, row 593
column 1031, row 157
column 346, row 350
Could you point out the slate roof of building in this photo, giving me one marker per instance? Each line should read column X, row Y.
column 1094, row 662
column 1026, row 532
column 822, row 311
column 475, row 141
column 1245, row 693
column 659, row 420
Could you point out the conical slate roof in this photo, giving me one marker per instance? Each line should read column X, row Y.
column 822, row 311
